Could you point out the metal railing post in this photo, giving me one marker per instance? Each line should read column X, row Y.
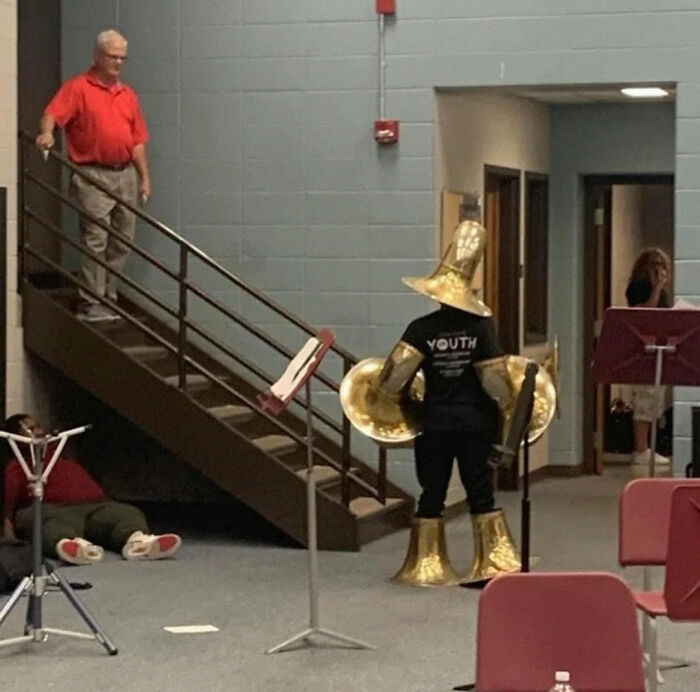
column 381, row 476
column 182, row 318
column 345, row 450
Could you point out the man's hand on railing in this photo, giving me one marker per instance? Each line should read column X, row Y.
column 44, row 142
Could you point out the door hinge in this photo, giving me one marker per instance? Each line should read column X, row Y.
column 599, row 216
column 597, row 328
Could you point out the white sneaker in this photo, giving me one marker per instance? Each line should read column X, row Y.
column 143, row 546
column 645, row 457
column 78, row 551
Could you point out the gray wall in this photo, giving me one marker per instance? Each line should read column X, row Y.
column 261, row 114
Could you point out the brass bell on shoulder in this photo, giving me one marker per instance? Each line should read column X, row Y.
column 427, row 563
column 494, row 549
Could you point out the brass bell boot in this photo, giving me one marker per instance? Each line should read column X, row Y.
column 426, row 562
column 494, row 550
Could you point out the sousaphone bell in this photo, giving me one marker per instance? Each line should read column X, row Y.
column 382, row 397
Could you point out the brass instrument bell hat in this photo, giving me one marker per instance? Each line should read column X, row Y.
column 382, row 397
column 502, row 379
column 427, row 563
column 451, row 283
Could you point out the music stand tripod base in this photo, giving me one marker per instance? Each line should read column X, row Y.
column 44, row 572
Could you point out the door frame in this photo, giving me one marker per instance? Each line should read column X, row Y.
column 597, row 255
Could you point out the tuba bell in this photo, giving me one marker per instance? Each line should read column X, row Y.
column 426, row 562
column 494, row 549
column 502, row 379
column 382, row 397
column 451, row 282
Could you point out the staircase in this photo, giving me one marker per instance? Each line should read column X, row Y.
column 195, row 394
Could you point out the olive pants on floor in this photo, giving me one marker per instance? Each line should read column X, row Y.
column 108, row 524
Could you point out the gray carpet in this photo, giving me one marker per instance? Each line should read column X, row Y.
column 256, row 595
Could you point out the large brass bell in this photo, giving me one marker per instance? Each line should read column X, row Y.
column 427, row 563
column 494, row 549
column 502, row 379
column 382, row 397
column 451, row 282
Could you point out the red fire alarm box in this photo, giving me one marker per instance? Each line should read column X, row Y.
column 386, row 6
column 386, row 131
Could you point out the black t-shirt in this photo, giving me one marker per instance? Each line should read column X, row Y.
column 640, row 290
column 452, row 341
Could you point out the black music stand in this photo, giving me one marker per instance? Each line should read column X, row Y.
column 508, row 454
column 650, row 346
column 297, row 375
column 44, row 573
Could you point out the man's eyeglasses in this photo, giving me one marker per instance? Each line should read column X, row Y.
column 115, row 58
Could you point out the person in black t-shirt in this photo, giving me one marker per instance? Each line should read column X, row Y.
column 459, row 419
column 646, row 289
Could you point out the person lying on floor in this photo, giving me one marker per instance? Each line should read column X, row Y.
column 78, row 517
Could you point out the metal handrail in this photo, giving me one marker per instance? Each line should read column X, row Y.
column 185, row 323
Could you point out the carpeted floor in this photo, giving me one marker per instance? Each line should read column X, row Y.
column 256, row 594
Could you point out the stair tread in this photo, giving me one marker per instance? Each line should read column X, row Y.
column 192, row 381
column 364, row 506
column 320, row 473
column 145, row 351
column 228, row 411
column 275, row 444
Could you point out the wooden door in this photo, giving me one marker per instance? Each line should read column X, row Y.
column 502, row 269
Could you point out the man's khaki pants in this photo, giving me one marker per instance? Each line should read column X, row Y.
column 107, row 247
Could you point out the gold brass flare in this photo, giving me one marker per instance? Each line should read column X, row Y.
column 502, row 379
column 494, row 550
column 451, row 282
column 427, row 563
column 382, row 397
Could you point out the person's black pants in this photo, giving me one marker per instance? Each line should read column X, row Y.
column 435, row 453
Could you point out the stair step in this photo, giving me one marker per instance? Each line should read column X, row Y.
column 320, row 473
column 192, row 382
column 232, row 413
column 276, row 444
column 146, row 353
column 364, row 506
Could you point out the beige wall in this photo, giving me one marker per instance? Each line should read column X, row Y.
column 8, row 178
column 477, row 128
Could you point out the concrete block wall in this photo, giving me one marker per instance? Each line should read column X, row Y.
column 261, row 114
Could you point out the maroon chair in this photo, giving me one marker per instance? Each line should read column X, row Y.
column 531, row 625
column 660, row 525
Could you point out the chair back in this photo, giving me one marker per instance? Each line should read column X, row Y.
column 531, row 625
column 645, row 512
column 682, row 585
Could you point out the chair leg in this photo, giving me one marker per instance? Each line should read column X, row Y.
column 653, row 664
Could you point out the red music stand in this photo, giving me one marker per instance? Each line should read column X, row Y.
column 297, row 375
column 652, row 346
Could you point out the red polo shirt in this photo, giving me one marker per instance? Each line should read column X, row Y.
column 103, row 123
column 68, row 483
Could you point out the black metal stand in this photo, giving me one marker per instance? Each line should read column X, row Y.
column 44, row 573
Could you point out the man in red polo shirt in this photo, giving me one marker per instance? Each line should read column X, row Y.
column 106, row 136
column 78, row 517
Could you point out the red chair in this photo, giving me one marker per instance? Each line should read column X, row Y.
column 531, row 625
column 660, row 525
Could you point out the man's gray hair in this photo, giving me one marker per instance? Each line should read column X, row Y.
column 104, row 38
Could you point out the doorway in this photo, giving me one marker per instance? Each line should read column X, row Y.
column 623, row 215
column 502, row 254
